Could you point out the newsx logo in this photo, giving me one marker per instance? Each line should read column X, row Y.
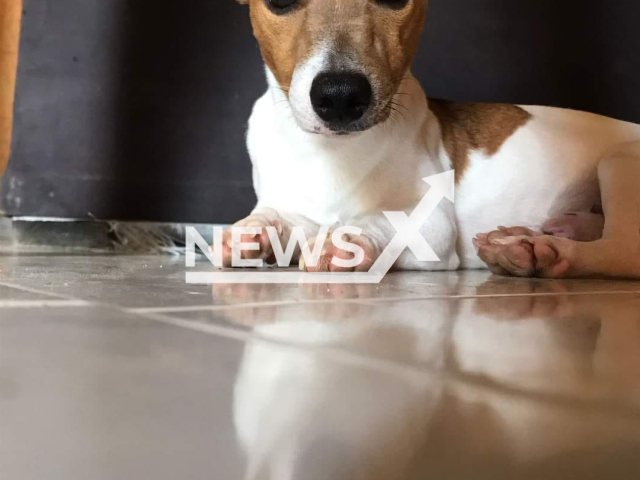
column 407, row 236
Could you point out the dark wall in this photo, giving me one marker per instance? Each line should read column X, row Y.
column 581, row 54
column 136, row 109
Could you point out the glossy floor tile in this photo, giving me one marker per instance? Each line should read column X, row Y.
column 114, row 367
column 91, row 392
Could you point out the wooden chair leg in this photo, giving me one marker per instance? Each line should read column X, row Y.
column 10, row 15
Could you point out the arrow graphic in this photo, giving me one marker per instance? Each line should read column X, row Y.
column 408, row 227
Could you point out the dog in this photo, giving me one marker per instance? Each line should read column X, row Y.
column 345, row 132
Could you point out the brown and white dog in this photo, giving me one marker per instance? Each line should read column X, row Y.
column 345, row 132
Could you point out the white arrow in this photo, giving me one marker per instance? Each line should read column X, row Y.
column 408, row 228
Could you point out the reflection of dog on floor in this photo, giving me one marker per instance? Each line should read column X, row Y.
column 399, row 395
column 345, row 132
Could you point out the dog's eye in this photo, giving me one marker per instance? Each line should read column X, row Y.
column 393, row 4
column 282, row 6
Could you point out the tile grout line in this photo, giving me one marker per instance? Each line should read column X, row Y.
column 245, row 337
column 43, row 303
column 368, row 301
column 360, row 360
column 342, row 355
column 273, row 303
column 502, row 295
column 36, row 291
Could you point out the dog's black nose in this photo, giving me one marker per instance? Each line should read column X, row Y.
column 340, row 98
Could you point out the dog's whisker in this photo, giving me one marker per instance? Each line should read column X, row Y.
column 398, row 112
column 399, row 104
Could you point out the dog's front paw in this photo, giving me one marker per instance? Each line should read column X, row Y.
column 360, row 254
column 522, row 252
column 250, row 246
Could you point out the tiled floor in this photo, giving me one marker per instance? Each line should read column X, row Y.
column 115, row 368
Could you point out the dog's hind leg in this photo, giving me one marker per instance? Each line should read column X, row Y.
column 580, row 226
column 619, row 177
column 616, row 254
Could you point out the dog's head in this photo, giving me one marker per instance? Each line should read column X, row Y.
column 339, row 62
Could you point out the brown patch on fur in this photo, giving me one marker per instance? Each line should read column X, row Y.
column 475, row 126
column 360, row 33
column 284, row 40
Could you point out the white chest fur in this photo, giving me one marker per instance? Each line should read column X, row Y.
column 334, row 179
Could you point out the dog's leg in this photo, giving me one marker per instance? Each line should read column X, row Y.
column 579, row 226
column 616, row 254
column 518, row 257
column 261, row 218
column 439, row 232
column 372, row 241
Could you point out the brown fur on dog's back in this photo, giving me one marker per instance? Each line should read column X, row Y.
column 475, row 126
